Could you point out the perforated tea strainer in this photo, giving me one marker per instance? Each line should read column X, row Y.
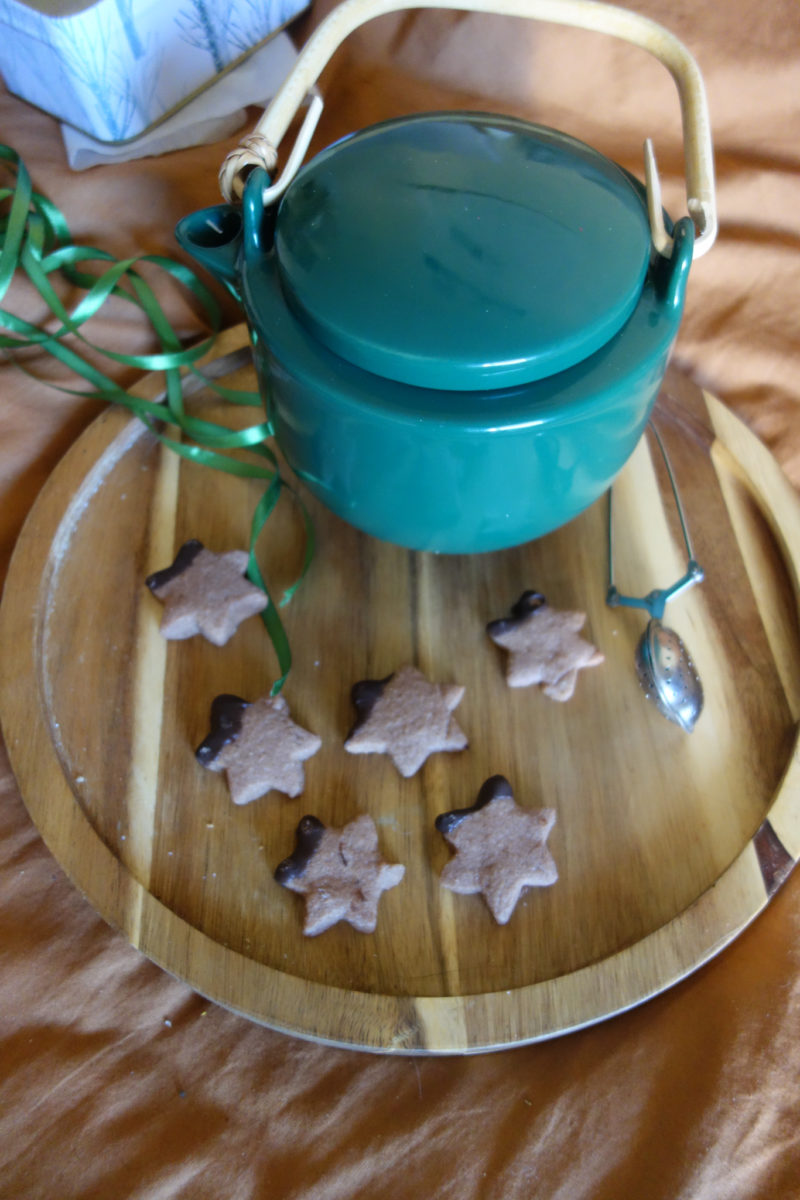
column 664, row 666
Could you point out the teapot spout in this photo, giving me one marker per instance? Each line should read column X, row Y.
column 213, row 236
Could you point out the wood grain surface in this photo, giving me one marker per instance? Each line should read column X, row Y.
column 667, row 844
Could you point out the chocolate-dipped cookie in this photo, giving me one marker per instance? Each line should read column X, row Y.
column 258, row 746
column 205, row 593
column 543, row 646
column 407, row 717
column 500, row 848
column 340, row 873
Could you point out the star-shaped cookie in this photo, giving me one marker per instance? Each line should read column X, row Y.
column 500, row 848
column 206, row 593
column 407, row 717
column 258, row 746
column 544, row 646
column 340, row 872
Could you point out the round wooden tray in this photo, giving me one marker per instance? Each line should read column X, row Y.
column 667, row 844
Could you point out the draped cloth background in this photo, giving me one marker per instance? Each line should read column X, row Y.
column 118, row 1081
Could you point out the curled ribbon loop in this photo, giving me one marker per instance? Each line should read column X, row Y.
column 35, row 238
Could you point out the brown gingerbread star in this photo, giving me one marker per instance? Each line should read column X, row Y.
column 500, row 848
column 544, row 646
column 407, row 717
column 205, row 593
column 340, row 872
column 258, row 746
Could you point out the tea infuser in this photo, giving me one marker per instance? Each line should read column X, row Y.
column 663, row 664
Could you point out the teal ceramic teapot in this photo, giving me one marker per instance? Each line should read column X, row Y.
column 460, row 321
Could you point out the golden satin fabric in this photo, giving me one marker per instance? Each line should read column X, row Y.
column 118, row 1081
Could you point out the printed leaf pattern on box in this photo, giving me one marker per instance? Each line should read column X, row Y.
column 114, row 68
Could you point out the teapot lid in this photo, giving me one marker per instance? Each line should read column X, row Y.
column 462, row 250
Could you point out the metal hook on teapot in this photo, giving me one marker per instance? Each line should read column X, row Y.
column 663, row 664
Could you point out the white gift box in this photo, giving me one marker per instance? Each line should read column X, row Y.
column 113, row 68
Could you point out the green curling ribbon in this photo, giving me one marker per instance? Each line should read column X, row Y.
column 35, row 238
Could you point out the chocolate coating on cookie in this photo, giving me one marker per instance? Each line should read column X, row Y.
column 365, row 695
column 226, row 725
column 492, row 789
column 183, row 560
column 308, row 836
column 528, row 603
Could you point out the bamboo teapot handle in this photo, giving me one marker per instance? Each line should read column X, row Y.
column 261, row 147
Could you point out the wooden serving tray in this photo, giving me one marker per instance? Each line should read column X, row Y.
column 667, row 844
